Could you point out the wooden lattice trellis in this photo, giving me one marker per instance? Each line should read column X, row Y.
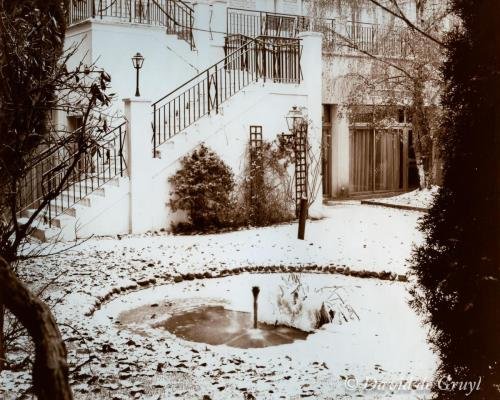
column 257, row 175
column 300, row 165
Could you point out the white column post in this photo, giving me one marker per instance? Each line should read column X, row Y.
column 139, row 162
column 219, row 21
column 311, row 64
column 201, row 25
column 340, row 151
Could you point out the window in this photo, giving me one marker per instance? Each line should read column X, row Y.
column 377, row 150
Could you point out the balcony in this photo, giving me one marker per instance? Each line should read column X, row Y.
column 175, row 15
column 339, row 37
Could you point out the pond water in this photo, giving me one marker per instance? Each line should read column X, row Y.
column 216, row 325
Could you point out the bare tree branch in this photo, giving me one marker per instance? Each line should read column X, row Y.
column 400, row 14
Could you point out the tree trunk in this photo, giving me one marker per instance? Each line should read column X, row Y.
column 436, row 162
column 422, row 142
column 421, row 171
column 50, row 370
column 2, row 338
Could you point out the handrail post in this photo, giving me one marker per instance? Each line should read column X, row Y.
column 121, row 150
column 208, row 91
column 299, row 56
column 193, row 44
column 216, row 89
column 154, row 130
column 50, row 211
column 264, row 60
column 256, row 61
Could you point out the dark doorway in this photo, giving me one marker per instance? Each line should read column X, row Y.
column 326, row 151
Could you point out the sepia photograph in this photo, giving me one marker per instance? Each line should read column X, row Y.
column 249, row 199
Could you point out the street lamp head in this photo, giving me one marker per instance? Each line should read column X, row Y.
column 137, row 60
column 294, row 117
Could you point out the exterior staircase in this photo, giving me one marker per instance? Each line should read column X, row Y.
column 66, row 222
column 99, row 180
column 85, row 187
column 247, row 60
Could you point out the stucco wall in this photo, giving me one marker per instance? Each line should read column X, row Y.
column 228, row 135
column 168, row 61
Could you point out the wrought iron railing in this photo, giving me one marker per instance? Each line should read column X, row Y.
column 260, row 23
column 175, row 15
column 339, row 37
column 247, row 60
column 374, row 39
column 94, row 167
column 179, row 18
column 278, row 58
column 257, row 23
column 183, row 15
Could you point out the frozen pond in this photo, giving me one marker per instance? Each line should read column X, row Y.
column 216, row 325
column 384, row 339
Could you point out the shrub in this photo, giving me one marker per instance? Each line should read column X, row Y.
column 267, row 185
column 457, row 269
column 203, row 187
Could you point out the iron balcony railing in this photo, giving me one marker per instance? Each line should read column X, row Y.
column 95, row 167
column 338, row 37
column 261, row 23
column 175, row 15
column 257, row 23
column 374, row 39
column 247, row 60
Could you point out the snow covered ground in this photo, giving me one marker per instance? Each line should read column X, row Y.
column 387, row 342
column 382, row 345
column 416, row 198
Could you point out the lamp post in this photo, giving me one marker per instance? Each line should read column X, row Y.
column 137, row 62
column 297, row 125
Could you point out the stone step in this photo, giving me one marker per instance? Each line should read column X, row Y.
column 68, row 200
column 84, row 190
column 80, row 193
column 46, row 233
column 41, row 219
column 42, row 231
column 66, row 207
column 57, row 209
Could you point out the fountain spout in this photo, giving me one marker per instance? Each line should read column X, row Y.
column 255, row 292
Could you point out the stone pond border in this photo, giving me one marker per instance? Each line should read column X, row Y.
column 141, row 284
column 392, row 205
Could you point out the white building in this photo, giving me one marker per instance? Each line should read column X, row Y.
column 213, row 71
